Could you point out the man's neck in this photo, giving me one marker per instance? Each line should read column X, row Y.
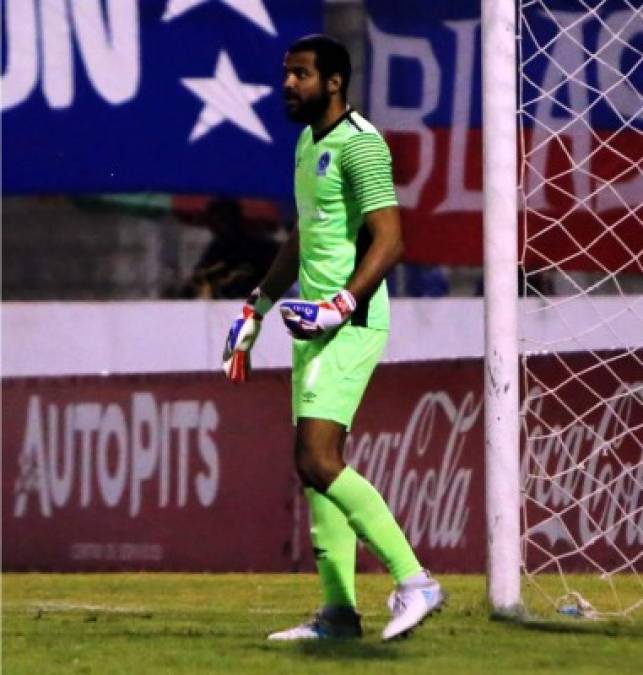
column 334, row 111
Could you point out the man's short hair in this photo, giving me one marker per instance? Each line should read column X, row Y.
column 331, row 57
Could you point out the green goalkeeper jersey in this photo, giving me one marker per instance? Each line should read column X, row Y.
column 340, row 175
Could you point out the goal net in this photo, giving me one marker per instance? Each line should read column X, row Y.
column 581, row 280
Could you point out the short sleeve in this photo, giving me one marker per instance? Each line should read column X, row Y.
column 366, row 163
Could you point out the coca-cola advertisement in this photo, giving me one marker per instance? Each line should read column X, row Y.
column 582, row 462
column 188, row 472
column 419, row 440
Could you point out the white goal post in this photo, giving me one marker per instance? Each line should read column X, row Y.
column 501, row 383
column 562, row 98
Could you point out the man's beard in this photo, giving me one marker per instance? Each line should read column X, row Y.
column 310, row 111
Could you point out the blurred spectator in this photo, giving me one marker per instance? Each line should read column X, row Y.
column 236, row 259
column 426, row 281
column 418, row 281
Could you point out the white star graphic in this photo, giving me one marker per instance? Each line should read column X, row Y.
column 253, row 10
column 227, row 98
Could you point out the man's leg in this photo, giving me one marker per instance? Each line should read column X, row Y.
column 319, row 461
column 333, row 539
column 334, row 542
column 329, row 379
column 318, row 457
column 334, row 545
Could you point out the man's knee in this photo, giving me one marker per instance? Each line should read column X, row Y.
column 317, row 463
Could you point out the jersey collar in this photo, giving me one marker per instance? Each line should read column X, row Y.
column 322, row 134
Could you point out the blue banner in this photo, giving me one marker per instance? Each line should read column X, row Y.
column 557, row 37
column 580, row 88
column 149, row 95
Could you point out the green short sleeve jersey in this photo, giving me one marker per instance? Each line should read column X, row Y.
column 340, row 176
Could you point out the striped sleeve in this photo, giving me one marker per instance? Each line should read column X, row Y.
column 366, row 163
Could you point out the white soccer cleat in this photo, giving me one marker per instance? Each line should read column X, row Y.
column 410, row 605
column 337, row 623
column 307, row 631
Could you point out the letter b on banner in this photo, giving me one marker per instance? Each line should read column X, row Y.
column 405, row 119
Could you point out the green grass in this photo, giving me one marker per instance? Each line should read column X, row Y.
column 178, row 623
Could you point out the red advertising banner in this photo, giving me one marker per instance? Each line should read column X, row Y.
column 444, row 225
column 186, row 472
column 162, row 472
column 582, row 464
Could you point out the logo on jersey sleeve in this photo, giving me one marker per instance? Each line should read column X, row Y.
column 323, row 163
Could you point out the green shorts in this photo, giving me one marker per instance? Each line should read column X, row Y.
column 330, row 374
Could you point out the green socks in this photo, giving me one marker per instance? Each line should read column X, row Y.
column 352, row 505
column 334, row 544
column 370, row 517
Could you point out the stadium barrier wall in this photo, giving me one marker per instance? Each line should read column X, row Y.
column 183, row 471
column 83, row 338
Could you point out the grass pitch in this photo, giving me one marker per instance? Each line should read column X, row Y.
column 137, row 624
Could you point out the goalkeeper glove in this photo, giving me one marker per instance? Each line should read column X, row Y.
column 242, row 335
column 307, row 320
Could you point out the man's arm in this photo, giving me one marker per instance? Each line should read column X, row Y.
column 284, row 269
column 385, row 250
column 367, row 168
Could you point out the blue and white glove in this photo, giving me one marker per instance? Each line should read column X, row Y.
column 307, row 320
column 242, row 335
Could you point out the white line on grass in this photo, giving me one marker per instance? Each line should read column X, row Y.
column 53, row 606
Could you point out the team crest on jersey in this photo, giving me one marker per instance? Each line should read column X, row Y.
column 323, row 163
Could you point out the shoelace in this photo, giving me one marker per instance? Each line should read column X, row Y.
column 314, row 622
column 398, row 604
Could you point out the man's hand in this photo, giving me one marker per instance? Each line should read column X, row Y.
column 242, row 335
column 307, row 320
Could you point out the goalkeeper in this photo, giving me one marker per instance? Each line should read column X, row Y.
column 347, row 239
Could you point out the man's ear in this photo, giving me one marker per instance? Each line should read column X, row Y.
column 333, row 83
